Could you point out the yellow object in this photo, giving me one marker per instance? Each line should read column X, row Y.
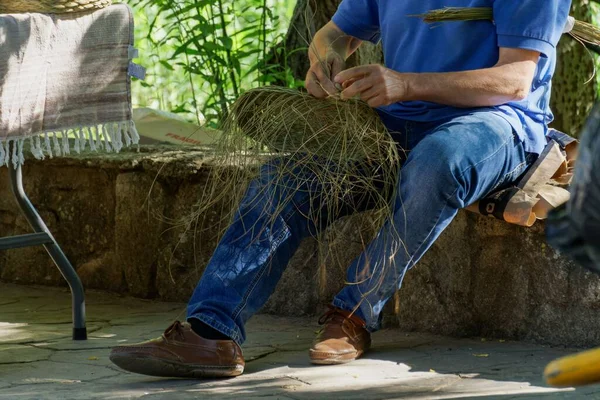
column 574, row 370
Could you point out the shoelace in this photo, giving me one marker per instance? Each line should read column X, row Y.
column 340, row 316
column 325, row 318
column 175, row 330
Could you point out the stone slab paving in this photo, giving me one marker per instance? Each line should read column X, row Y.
column 39, row 361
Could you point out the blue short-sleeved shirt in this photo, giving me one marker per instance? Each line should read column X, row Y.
column 411, row 45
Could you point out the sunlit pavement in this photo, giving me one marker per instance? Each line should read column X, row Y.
column 38, row 360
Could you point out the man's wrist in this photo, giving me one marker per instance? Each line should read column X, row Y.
column 408, row 86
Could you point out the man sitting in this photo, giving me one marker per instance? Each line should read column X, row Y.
column 469, row 100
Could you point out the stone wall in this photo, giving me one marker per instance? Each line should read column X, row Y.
column 117, row 218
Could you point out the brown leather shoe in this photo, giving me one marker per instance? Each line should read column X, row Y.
column 181, row 353
column 343, row 339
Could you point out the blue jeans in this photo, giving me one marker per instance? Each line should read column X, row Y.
column 449, row 166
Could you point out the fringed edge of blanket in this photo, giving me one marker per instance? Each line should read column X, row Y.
column 110, row 136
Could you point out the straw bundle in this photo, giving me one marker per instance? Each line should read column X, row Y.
column 457, row 14
column 586, row 33
column 582, row 31
column 51, row 6
column 289, row 121
column 337, row 154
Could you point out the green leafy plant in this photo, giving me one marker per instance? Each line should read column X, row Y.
column 205, row 53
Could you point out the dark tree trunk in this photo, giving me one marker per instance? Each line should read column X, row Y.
column 309, row 16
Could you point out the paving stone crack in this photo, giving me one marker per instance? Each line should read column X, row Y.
column 39, row 346
column 262, row 356
column 297, row 379
column 25, row 362
column 90, row 321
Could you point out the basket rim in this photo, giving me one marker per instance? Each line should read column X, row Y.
column 51, row 6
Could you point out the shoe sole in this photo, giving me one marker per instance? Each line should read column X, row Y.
column 153, row 366
column 332, row 359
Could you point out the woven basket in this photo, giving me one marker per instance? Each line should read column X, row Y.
column 51, row 6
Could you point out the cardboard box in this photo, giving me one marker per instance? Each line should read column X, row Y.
column 155, row 126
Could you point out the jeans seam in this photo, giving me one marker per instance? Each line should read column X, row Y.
column 254, row 282
column 504, row 178
column 435, row 223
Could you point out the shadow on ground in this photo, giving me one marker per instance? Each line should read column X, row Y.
column 39, row 361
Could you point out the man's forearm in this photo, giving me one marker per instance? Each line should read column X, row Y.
column 478, row 88
column 509, row 80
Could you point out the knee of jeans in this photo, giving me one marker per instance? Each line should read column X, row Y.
column 437, row 164
column 439, row 147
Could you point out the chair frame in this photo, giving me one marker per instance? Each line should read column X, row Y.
column 43, row 237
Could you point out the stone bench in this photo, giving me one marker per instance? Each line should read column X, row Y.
column 482, row 278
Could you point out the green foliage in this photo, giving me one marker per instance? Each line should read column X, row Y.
column 202, row 54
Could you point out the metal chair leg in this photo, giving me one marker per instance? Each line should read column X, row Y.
column 55, row 252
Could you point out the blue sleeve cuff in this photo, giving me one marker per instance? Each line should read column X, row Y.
column 526, row 43
column 349, row 28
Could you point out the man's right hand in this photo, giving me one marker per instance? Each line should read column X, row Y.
column 319, row 79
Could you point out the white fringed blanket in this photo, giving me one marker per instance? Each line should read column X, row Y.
column 65, row 75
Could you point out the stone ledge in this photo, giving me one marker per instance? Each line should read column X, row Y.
column 482, row 278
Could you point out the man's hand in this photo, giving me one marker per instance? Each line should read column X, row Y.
column 327, row 52
column 319, row 79
column 374, row 84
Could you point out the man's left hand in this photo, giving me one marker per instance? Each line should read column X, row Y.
column 374, row 84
